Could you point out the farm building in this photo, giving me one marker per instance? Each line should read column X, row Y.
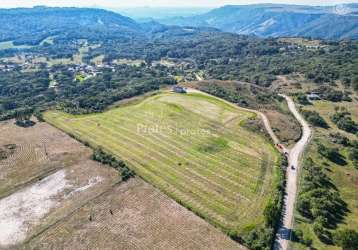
column 178, row 89
column 313, row 96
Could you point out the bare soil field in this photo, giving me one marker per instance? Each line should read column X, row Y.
column 132, row 215
column 38, row 151
column 52, row 196
column 44, row 178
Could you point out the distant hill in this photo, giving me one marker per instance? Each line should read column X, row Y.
column 273, row 20
column 32, row 25
column 149, row 13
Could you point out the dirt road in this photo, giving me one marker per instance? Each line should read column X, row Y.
column 284, row 232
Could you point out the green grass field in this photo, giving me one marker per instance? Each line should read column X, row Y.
column 190, row 146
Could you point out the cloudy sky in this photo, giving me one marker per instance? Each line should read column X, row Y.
column 156, row 3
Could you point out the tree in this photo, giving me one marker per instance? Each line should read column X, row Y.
column 314, row 118
column 304, row 206
column 302, row 99
column 347, row 239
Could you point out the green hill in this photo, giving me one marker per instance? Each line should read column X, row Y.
column 193, row 148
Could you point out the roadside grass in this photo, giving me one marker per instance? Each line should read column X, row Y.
column 185, row 146
column 344, row 178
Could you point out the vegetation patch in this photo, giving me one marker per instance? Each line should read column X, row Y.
column 102, row 157
column 344, row 121
column 214, row 145
column 314, row 118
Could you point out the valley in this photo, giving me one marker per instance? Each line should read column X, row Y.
column 235, row 128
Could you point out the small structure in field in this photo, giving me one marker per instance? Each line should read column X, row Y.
column 179, row 89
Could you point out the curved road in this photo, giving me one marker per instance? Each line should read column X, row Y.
column 284, row 232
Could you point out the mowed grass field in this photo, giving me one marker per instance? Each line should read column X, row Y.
column 193, row 148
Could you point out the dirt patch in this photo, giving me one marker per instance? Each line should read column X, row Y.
column 132, row 215
column 285, row 127
column 27, row 206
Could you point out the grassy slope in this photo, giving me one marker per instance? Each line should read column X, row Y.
column 286, row 127
column 345, row 178
column 190, row 146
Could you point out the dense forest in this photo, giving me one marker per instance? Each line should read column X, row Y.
column 216, row 55
column 32, row 90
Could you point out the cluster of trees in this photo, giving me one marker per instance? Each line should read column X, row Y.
column 331, row 154
column 302, row 99
column 233, row 57
column 319, row 202
column 246, row 95
column 314, row 118
column 107, row 159
column 219, row 55
column 344, row 121
column 30, row 90
column 330, row 94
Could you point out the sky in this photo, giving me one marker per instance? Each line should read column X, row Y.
column 157, row 3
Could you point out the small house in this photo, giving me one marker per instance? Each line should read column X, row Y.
column 313, row 96
column 179, row 89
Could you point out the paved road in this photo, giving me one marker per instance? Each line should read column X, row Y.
column 284, row 232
